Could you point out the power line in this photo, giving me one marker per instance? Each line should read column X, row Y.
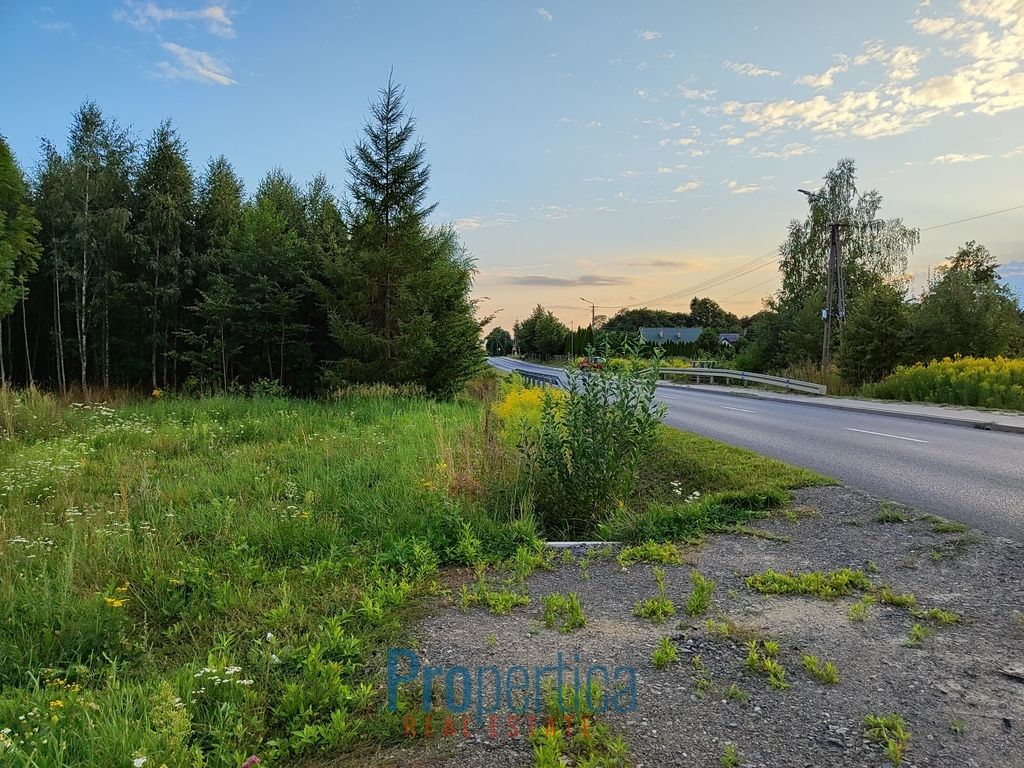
column 764, row 260
column 972, row 218
column 771, row 279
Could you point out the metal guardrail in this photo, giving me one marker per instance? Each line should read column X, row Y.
column 540, row 379
column 756, row 378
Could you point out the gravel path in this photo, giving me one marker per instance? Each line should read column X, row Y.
column 961, row 674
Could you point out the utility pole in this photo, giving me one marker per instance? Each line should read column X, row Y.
column 835, row 287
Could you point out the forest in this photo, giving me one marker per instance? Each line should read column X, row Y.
column 121, row 265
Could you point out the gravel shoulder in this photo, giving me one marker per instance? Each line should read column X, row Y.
column 961, row 692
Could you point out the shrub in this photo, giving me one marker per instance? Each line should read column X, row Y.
column 591, row 442
column 977, row 381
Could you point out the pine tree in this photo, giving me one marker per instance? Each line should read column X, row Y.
column 19, row 248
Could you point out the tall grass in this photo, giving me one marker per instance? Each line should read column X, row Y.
column 217, row 578
column 975, row 381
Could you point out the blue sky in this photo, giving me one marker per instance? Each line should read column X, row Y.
column 614, row 151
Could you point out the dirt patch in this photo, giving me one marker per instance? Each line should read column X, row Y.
column 960, row 705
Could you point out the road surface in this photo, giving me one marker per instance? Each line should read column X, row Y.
column 970, row 475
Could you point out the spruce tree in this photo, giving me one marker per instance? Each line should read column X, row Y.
column 399, row 305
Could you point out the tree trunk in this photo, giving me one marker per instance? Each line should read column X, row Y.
column 61, row 378
column 223, row 357
column 3, row 367
column 28, row 357
column 106, row 341
column 80, row 304
column 156, row 288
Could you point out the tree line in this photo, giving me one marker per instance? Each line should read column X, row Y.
column 122, row 266
column 965, row 309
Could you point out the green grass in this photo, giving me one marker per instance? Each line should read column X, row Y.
column 890, row 732
column 823, row 673
column 564, row 611
column 220, row 576
column 735, row 486
column 666, row 553
column 700, row 597
column 664, row 653
column 657, row 608
column 826, row 586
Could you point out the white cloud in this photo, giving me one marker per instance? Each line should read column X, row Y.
column 1014, row 152
column 734, row 141
column 981, row 72
column 750, row 70
column 695, row 94
column 593, row 124
column 688, row 186
column 469, row 223
column 648, row 35
column 794, row 149
column 545, row 14
column 194, row 65
column 826, row 78
column 146, row 15
column 741, row 189
column 958, row 158
column 664, row 169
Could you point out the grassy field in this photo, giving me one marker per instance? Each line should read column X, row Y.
column 195, row 582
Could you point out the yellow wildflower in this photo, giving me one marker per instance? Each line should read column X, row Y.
column 157, row 394
column 56, row 704
column 114, row 602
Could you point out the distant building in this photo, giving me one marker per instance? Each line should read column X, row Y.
column 683, row 336
column 670, row 335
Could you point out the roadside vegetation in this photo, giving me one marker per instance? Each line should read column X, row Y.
column 985, row 382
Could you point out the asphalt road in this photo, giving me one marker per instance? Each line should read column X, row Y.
column 970, row 475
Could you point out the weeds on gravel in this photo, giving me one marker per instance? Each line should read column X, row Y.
column 957, row 726
column 659, row 607
column 859, row 610
column 827, row 586
column 887, row 596
column 701, row 679
column 735, row 693
column 664, row 654
column 500, row 602
column 890, row 732
column 727, row 629
column 700, row 597
column 823, row 673
column 564, row 608
column 651, row 552
column 730, row 756
column 528, row 559
column 936, row 616
column 918, row 634
column 584, row 741
column 890, row 516
column 768, row 663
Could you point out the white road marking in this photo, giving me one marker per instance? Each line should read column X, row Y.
column 730, row 408
column 883, row 434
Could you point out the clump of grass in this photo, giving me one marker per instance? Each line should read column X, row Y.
column 564, row 608
column 776, row 673
column 957, row 726
column 771, row 649
column 701, row 679
column 527, row 559
column 657, row 608
column 890, row 732
column 735, row 693
column 859, row 610
column 753, row 658
column 826, row 586
column 700, row 596
column 823, row 673
column 891, row 516
column 948, row 526
column 887, row 596
column 918, row 634
column 665, row 653
column 936, row 616
column 666, row 553
column 730, row 756
column 727, row 629
column 554, row 748
column 500, row 602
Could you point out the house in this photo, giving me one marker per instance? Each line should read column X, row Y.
column 670, row 335
column 684, row 336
